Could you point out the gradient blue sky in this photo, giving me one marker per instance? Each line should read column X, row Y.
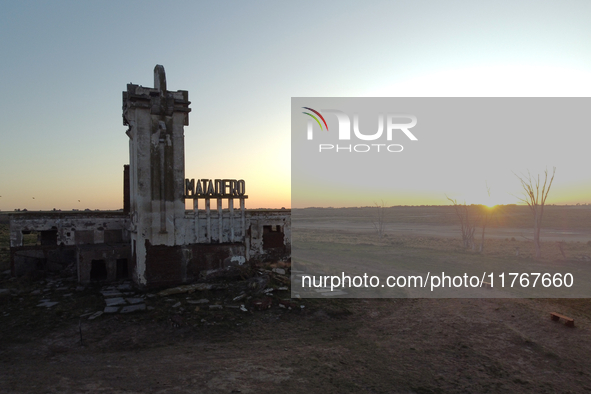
column 65, row 63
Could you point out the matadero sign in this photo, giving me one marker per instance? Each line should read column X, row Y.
column 215, row 188
column 218, row 189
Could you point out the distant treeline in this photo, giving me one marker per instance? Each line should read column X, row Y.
column 560, row 217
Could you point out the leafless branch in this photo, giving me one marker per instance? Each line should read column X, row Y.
column 535, row 198
column 378, row 221
column 467, row 222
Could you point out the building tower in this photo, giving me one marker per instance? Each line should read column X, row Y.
column 156, row 118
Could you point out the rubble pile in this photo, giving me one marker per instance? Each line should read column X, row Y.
column 220, row 295
column 257, row 289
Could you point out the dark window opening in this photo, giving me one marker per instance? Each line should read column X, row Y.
column 30, row 237
column 48, row 237
column 122, row 272
column 272, row 237
column 98, row 270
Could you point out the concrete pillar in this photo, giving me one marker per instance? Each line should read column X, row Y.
column 242, row 218
column 208, row 216
column 196, row 218
column 231, row 206
column 156, row 118
column 220, row 221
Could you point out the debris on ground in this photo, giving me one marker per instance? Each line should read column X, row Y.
column 219, row 297
column 190, row 288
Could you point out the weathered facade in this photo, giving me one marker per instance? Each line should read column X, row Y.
column 67, row 240
column 154, row 240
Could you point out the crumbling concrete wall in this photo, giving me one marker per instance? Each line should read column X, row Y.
column 70, row 228
column 32, row 258
column 267, row 238
column 263, row 232
column 58, row 237
column 171, row 265
column 115, row 258
column 270, row 235
column 78, row 239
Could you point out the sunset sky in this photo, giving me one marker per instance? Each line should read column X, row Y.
column 65, row 63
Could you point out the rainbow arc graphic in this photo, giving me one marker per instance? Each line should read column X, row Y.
column 315, row 118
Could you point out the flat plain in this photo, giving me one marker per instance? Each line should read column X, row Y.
column 406, row 345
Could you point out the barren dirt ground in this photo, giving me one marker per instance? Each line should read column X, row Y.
column 330, row 346
column 561, row 223
column 453, row 231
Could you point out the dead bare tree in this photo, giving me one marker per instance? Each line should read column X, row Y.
column 535, row 198
column 467, row 222
column 378, row 220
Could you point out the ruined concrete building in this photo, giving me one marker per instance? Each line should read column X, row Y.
column 154, row 241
